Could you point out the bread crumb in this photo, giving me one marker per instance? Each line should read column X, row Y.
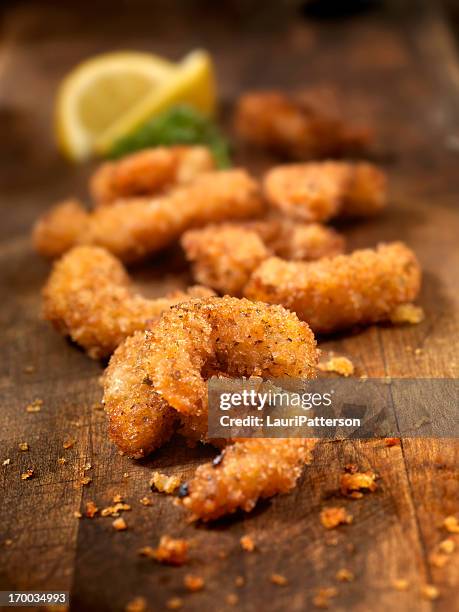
column 172, row 551
column 6, row 461
column 339, row 365
column 174, row 603
column 91, row 509
column 115, row 510
column 430, row 592
column 247, row 543
column 193, row 583
column 164, row 483
column 126, row 475
column 7, row 543
column 146, row 501
column 232, row 599
column 23, row 446
column 69, row 443
column 447, row 546
column 77, row 514
column 352, row 484
column 406, row 313
column 451, row 524
column 138, row 604
column 331, row 517
column 85, row 481
column 61, row 460
column 34, row 406
column 119, row 524
column 322, row 598
column 278, row 579
column 400, row 584
column 239, row 581
column 29, row 369
column 344, row 575
column 27, row 474
column 438, row 559
column 147, row 551
column 87, row 467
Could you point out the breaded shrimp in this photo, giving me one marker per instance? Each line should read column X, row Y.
column 298, row 125
column 224, row 256
column 88, row 297
column 319, row 191
column 245, row 472
column 149, row 172
column 214, row 336
column 134, row 229
column 340, row 292
column 60, row 228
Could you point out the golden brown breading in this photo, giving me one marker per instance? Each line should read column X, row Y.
column 149, row 172
column 133, row 229
column 248, row 471
column 318, row 191
column 59, row 229
column 224, row 256
column 339, row 292
column 298, row 125
column 88, row 297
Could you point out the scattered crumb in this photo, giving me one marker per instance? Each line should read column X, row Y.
column 147, row 551
column 172, row 551
column 278, row 579
column 451, row 524
column 6, row 461
column 193, row 583
column 77, row 514
column 344, row 575
column 29, row 369
column 23, row 446
column 85, row 481
column 407, row 313
column 115, row 510
column 126, row 475
column 164, row 483
column 27, row 474
column 392, row 441
column 174, row 603
column 322, row 598
column 400, row 584
column 119, row 524
column 91, row 509
column 239, row 581
column 87, row 467
column 438, row 559
column 447, row 546
column 331, row 517
column 69, row 443
column 117, row 499
column 8, row 543
column 339, row 365
column 353, row 483
column 146, row 501
column 247, row 543
column 418, row 351
column 429, row 591
column 61, row 460
column 138, row 604
column 34, row 406
column 232, row 599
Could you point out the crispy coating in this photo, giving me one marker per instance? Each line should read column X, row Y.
column 224, row 256
column 318, row 191
column 59, row 229
column 248, row 470
column 135, row 228
column 149, row 172
column 298, row 125
column 189, row 344
column 88, row 297
column 340, row 292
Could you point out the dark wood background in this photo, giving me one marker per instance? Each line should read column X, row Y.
column 400, row 69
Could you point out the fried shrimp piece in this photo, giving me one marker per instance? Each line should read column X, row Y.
column 224, row 256
column 340, row 292
column 88, row 297
column 196, row 340
column 318, row 191
column 245, row 472
column 149, row 172
column 59, row 229
column 133, row 229
column 298, row 125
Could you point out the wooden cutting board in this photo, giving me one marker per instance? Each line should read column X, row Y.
column 399, row 70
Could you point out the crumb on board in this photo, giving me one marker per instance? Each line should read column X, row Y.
column 6, row 461
column 339, row 365
column 146, row 501
column 322, row 597
column 126, row 475
column 27, row 474
column 23, row 446
column 174, row 603
column 147, row 551
column 117, row 498
column 332, row 516
column 345, row 575
column 115, row 509
column 119, row 524
column 278, row 579
column 86, row 480
column 193, row 583
column 164, row 483
column 68, row 443
column 138, row 604
column 239, row 581
column 400, row 584
column 430, row 592
column 91, row 509
column 61, row 460
column 447, row 546
column 29, row 369
column 34, row 406
column 7, row 543
column 172, row 551
column 247, row 543
column 438, row 559
column 392, row 441
column 77, row 514
column 406, row 313
column 232, row 599
column 451, row 524
column 87, row 467
column 354, row 483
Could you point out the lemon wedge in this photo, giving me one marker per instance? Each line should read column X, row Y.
column 96, row 93
column 192, row 83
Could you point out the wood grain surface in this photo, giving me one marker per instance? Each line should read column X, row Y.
column 398, row 69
